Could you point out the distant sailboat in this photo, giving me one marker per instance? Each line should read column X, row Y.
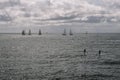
column 39, row 32
column 64, row 33
column 86, row 33
column 23, row 32
column 29, row 33
column 70, row 32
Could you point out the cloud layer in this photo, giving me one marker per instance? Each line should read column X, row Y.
column 57, row 12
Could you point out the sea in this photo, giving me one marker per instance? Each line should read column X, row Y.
column 58, row 57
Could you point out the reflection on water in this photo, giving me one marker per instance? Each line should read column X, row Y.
column 57, row 57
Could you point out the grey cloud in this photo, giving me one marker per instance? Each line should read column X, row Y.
column 9, row 3
column 65, row 17
column 64, row 10
column 5, row 18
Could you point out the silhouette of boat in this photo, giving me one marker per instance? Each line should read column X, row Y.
column 64, row 33
column 86, row 32
column 39, row 32
column 70, row 32
column 23, row 32
column 29, row 33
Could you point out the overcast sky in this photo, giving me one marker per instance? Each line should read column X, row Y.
column 57, row 13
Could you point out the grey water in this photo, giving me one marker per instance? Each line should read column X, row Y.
column 57, row 57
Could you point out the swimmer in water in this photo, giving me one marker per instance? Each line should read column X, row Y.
column 84, row 51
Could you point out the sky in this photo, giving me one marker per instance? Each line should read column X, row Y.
column 54, row 15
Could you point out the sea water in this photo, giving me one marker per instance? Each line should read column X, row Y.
column 57, row 57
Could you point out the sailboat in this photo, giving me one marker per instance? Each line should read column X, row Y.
column 64, row 33
column 39, row 32
column 23, row 32
column 86, row 33
column 29, row 33
column 70, row 32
